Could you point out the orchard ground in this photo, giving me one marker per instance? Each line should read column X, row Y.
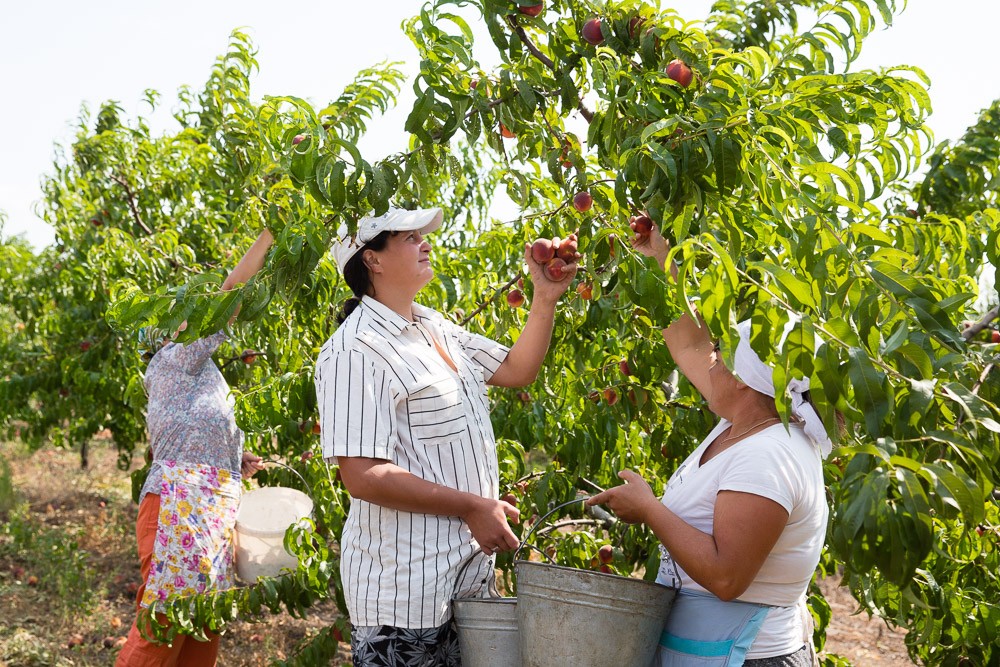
column 72, row 531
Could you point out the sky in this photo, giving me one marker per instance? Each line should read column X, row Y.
column 57, row 55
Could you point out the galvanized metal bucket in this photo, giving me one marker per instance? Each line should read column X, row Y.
column 487, row 627
column 578, row 618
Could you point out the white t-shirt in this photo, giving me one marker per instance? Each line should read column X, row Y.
column 783, row 466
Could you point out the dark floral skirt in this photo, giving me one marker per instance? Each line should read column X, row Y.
column 387, row 646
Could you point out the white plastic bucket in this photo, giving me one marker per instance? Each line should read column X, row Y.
column 264, row 516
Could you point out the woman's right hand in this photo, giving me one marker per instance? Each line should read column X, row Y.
column 488, row 522
column 652, row 244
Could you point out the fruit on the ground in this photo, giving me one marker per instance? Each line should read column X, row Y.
column 524, row 397
column 531, row 10
column 74, row 640
column 678, row 70
column 515, row 298
column 509, row 498
column 592, row 32
column 505, row 133
column 582, row 201
column 642, row 224
column 32, row 580
column 605, row 553
column 256, row 638
column 297, row 139
column 586, row 291
column 17, row 571
column 85, row 345
column 542, row 251
column 248, row 356
column 610, row 396
column 624, row 367
column 555, row 269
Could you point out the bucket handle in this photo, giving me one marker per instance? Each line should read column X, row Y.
column 538, row 523
column 267, row 462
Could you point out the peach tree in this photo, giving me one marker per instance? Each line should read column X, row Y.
column 786, row 182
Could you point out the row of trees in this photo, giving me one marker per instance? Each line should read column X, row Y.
column 787, row 183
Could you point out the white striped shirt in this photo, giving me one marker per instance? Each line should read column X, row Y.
column 384, row 392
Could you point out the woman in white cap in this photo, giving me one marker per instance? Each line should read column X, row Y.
column 743, row 520
column 404, row 413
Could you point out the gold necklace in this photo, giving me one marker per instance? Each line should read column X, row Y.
column 760, row 423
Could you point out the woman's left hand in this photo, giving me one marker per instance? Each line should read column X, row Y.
column 250, row 465
column 632, row 501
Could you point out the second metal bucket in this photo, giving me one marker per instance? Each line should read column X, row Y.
column 577, row 618
column 487, row 631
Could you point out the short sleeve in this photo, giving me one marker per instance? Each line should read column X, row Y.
column 763, row 467
column 356, row 406
column 487, row 354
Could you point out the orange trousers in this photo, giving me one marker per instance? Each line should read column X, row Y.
column 137, row 652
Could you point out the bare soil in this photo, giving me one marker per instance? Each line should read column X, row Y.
column 79, row 614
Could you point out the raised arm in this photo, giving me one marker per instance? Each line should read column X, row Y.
column 249, row 264
column 522, row 364
column 688, row 340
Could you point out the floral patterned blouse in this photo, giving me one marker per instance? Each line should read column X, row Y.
column 190, row 416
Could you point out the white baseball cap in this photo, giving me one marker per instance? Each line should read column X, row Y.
column 394, row 220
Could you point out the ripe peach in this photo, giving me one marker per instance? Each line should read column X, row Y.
column 586, row 291
column 524, row 397
column 995, row 336
column 567, row 249
column 679, row 71
column 611, row 396
column 298, row 139
column 624, row 367
column 606, row 569
column 505, row 133
column 515, row 298
column 248, row 356
column 642, row 224
column 531, row 10
column 605, row 553
column 582, row 201
column 509, row 498
column 592, row 33
column 542, row 250
column 32, row 580
column 555, row 269
column 635, row 25
column 85, row 345
column 316, row 428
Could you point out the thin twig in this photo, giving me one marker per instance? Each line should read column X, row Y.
column 131, row 203
column 545, row 60
column 485, row 303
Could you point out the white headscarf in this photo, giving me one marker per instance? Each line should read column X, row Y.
column 757, row 375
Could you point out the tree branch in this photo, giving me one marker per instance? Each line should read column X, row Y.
column 545, row 60
column 131, row 203
column 984, row 321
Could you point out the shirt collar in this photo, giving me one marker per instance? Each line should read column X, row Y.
column 385, row 315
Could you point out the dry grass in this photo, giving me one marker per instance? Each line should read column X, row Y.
column 85, row 593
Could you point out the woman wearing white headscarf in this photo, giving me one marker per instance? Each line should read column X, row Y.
column 743, row 520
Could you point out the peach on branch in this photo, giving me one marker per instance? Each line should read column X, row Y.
column 531, row 10
column 592, row 33
column 610, row 396
column 624, row 367
column 298, row 139
column 586, row 291
column 515, row 298
column 679, row 71
column 248, row 356
column 524, row 397
column 505, row 133
column 605, row 553
column 582, row 201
